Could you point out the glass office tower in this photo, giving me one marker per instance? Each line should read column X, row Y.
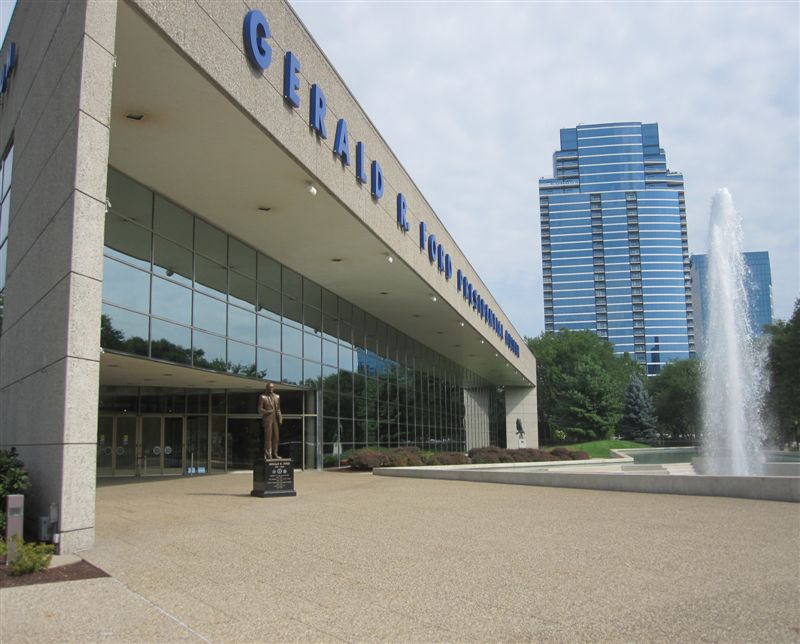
column 758, row 288
column 615, row 251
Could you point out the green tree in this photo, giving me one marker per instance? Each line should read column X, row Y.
column 638, row 422
column 784, row 366
column 580, row 386
column 675, row 393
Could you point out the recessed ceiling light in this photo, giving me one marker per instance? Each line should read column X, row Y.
column 167, row 374
column 384, row 292
column 312, row 189
column 389, row 258
column 264, row 208
column 336, row 259
column 440, row 333
column 134, row 116
column 481, row 341
column 461, row 323
column 416, row 315
column 433, row 298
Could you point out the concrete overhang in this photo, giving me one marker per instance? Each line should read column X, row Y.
column 199, row 148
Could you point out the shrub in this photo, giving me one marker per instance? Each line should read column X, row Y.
column 580, row 456
column 366, row 459
column 490, row 454
column 405, row 456
column 448, row 458
column 562, row 453
column 13, row 480
column 31, row 557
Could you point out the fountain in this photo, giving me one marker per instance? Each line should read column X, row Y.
column 734, row 370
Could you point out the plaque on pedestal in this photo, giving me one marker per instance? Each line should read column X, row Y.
column 274, row 477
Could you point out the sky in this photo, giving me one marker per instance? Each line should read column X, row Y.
column 470, row 96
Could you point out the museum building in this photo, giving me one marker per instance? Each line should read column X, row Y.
column 193, row 204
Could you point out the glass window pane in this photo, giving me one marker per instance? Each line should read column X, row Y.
column 330, row 303
column 312, row 319
column 312, row 348
column 127, row 241
column 330, row 352
column 126, row 286
column 241, row 324
column 345, row 310
column 241, row 258
column 3, row 260
column 292, row 370
column 122, row 330
column 8, row 164
column 5, row 215
column 269, row 300
column 269, row 333
column 292, row 341
column 211, row 242
column 292, row 284
column 172, row 222
column 208, row 351
column 242, row 290
column 241, row 359
column 170, row 260
column 209, row 313
column 311, row 373
column 312, row 294
column 292, row 309
column 269, row 272
column 171, row 342
column 345, row 358
column 210, row 277
column 172, row 301
column 269, row 365
column 129, row 199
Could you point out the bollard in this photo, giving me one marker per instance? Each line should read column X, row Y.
column 15, row 513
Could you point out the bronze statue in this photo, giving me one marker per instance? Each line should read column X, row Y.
column 269, row 406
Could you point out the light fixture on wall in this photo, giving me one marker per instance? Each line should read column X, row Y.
column 389, row 258
column 434, row 298
column 312, row 189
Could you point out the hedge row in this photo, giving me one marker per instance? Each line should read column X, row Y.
column 367, row 458
column 525, row 455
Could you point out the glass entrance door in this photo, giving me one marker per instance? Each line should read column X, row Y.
column 124, row 445
column 161, row 445
column 140, row 446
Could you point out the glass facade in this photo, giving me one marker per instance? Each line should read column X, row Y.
column 758, row 289
column 615, row 250
column 5, row 215
column 180, row 290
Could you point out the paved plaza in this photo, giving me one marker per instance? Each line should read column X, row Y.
column 358, row 558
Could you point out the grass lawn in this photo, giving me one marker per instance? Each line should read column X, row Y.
column 600, row 449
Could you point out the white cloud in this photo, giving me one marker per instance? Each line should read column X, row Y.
column 471, row 96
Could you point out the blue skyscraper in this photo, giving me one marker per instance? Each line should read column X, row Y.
column 758, row 286
column 615, row 250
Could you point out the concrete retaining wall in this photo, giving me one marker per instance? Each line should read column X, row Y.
column 756, row 487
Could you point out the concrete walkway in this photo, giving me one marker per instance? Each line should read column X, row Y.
column 356, row 557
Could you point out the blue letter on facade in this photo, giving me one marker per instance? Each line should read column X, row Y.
column 402, row 208
column 448, row 267
column 318, row 108
column 341, row 146
column 377, row 180
column 256, row 32
column 423, row 234
column 291, row 83
column 361, row 170
column 432, row 248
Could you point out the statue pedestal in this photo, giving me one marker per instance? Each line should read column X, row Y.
column 274, row 477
